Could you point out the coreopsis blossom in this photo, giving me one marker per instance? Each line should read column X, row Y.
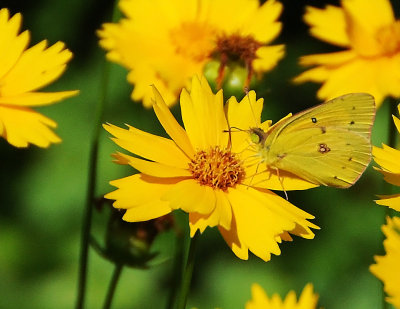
column 387, row 267
column 389, row 160
column 370, row 35
column 260, row 300
column 22, row 72
column 165, row 43
column 202, row 170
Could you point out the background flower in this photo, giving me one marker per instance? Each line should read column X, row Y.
column 387, row 267
column 260, row 300
column 203, row 172
column 389, row 160
column 369, row 32
column 22, row 72
column 166, row 43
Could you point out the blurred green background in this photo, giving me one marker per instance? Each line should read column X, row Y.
column 43, row 191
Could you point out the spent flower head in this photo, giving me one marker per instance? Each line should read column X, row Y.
column 23, row 71
column 370, row 35
column 202, row 170
column 387, row 267
column 165, row 43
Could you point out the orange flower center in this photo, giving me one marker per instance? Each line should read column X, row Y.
column 219, row 169
column 237, row 47
column 193, row 40
column 389, row 38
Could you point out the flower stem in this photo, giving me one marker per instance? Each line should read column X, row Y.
column 113, row 284
column 87, row 219
column 187, row 273
column 176, row 269
column 91, row 186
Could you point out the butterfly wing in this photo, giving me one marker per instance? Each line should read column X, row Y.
column 328, row 144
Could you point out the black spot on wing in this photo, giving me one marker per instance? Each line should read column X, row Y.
column 314, row 120
column 352, row 122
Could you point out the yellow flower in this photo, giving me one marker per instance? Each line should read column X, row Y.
column 22, row 72
column 389, row 161
column 205, row 174
column 165, row 43
column 307, row 300
column 371, row 62
column 387, row 267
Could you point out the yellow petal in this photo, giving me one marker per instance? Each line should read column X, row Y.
column 388, row 158
column 261, row 217
column 328, row 24
column 36, row 68
column 37, row 98
column 148, row 211
column 21, row 126
column 13, row 44
column 231, row 238
column 329, row 59
column 203, row 115
column 243, row 116
column 392, row 201
column 221, row 215
column 365, row 19
column 139, row 189
column 387, row 267
column 263, row 25
column 153, row 168
column 260, row 177
column 190, row 196
column 340, row 79
column 148, row 146
column 171, row 126
column 268, row 57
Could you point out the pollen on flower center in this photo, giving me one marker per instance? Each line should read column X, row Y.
column 389, row 38
column 193, row 40
column 237, row 47
column 219, row 169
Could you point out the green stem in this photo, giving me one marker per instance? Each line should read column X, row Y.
column 187, row 274
column 113, row 284
column 87, row 219
column 176, row 269
column 91, row 186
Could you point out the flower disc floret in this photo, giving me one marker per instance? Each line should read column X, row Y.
column 217, row 168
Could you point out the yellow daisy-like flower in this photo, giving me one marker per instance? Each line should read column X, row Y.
column 389, row 160
column 371, row 62
column 203, row 172
column 22, row 72
column 165, row 43
column 307, row 300
column 387, row 267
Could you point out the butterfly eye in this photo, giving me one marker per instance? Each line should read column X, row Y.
column 257, row 135
column 254, row 138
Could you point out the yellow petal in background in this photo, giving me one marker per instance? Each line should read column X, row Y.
column 260, row 300
column 328, row 24
column 387, row 267
column 392, row 201
column 22, row 126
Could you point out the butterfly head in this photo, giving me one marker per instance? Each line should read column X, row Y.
column 257, row 135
